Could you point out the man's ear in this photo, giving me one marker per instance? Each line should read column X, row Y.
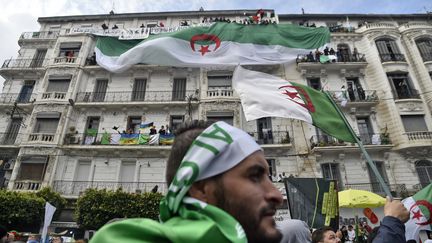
column 202, row 190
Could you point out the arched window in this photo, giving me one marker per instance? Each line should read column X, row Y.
column 424, row 171
column 388, row 50
column 344, row 52
column 425, row 47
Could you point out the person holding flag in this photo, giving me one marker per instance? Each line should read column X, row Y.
column 220, row 192
column 420, row 208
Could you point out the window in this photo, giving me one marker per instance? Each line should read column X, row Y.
column 375, row 185
column 265, row 133
column 175, row 121
column 388, row 50
column 83, row 170
column 152, row 24
column 179, row 89
column 58, row 85
column 414, row 123
column 219, row 82
column 344, row 52
column 100, row 90
column 365, row 130
column 425, row 47
column 331, row 171
column 355, row 90
column 314, row 83
column 226, row 116
column 424, row 171
column 272, row 169
column 134, row 123
column 47, row 122
column 32, row 168
column 39, row 58
column 401, row 87
column 12, row 132
column 26, row 91
column 69, row 49
column 127, row 171
column 139, row 88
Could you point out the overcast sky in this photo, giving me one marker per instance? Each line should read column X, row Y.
column 19, row 16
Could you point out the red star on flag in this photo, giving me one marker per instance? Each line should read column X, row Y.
column 417, row 215
column 204, row 50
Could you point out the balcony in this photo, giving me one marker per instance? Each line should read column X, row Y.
column 27, row 185
column 271, row 137
column 355, row 97
column 419, row 136
column 54, row 96
column 23, row 64
column 379, row 26
column 377, row 141
column 220, row 93
column 134, row 97
column 392, row 57
column 66, row 60
column 75, row 188
column 19, row 98
column 403, row 92
column 41, row 138
column 10, row 139
column 39, row 35
column 359, row 57
column 118, row 139
column 397, row 190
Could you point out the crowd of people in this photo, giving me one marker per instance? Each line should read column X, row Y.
column 332, row 55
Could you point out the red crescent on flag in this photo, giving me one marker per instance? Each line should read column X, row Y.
column 205, row 37
column 427, row 205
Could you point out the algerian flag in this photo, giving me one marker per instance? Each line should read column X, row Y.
column 420, row 208
column 264, row 95
column 218, row 44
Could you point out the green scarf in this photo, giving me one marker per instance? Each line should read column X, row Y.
column 217, row 149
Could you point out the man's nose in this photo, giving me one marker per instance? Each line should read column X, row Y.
column 273, row 194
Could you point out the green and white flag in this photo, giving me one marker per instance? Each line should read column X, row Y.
column 420, row 208
column 264, row 95
column 219, row 44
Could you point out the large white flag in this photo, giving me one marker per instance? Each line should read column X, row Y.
column 265, row 95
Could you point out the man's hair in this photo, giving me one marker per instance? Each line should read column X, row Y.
column 185, row 134
column 318, row 235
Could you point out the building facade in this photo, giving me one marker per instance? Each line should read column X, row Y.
column 62, row 116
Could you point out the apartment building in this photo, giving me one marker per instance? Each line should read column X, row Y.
column 64, row 119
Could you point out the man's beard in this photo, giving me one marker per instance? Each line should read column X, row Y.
column 246, row 217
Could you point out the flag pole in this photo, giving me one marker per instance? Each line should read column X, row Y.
column 362, row 149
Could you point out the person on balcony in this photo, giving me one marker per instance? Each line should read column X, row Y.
column 326, row 51
column 162, row 130
column 317, row 55
column 361, row 93
column 356, row 56
column 310, row 57
column 351, row 93
column 70, row 56
column 332, row 51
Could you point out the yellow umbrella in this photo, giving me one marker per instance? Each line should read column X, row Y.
column 359, row 199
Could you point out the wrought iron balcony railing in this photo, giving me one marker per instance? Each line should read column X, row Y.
column 23, row 63
column 118, row 139
column 40, row 35
column 355, row 95
column 405, row 93
column 365, row 138
column 41, row 137
column 340, row 58
column 134, row 96
column 20, row 98
column 74, row 188
column 397, row 190
column 271, row 137
column 392, row 57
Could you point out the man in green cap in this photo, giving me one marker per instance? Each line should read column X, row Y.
column 219, row 191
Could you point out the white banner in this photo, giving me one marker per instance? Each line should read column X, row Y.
column 49, row 212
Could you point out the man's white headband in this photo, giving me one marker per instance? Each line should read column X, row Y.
column 217, row 149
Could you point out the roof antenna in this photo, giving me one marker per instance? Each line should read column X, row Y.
column 112, row 9
column 303, row 11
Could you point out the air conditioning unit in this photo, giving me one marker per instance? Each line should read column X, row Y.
column 9, row 165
